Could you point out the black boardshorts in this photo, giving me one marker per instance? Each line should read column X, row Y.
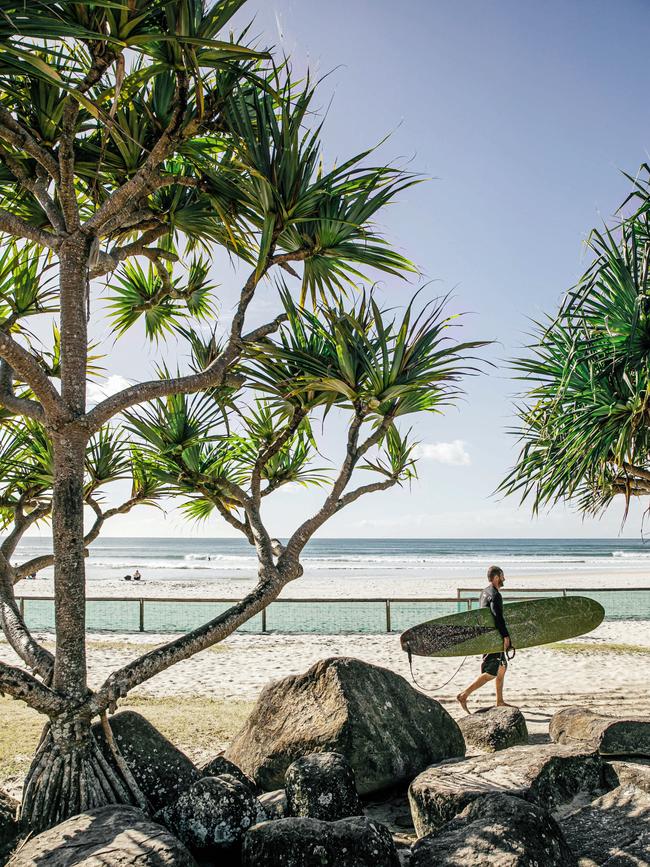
column 491, row 663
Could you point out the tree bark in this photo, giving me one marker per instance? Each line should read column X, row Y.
column 69, row 445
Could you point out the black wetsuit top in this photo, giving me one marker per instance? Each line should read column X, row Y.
column 492, row 599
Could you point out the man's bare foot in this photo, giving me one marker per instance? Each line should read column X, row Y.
column 505, row 704
column 462, row 701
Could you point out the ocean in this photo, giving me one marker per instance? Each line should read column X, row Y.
column 445, row 560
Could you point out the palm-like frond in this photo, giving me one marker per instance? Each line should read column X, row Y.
column 298, row 207
column 363, row 357
column 142, row 293
column 107, row 458
column 585, row 413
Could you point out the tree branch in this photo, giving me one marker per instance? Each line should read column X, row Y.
column 21, row 685
column 18, row 405
column 272, row 449
column 22, row 523
column 16, row 632
column 18, row 228
column 29, row 370
column 44, row 561
column 36, row 186
column 228, row 516
column 119, row 683
column 354, row 452
column 67, row 193
column 16, row 135
column 364, row 489
column 134, row 187
column 108, row 262
column 639, row 472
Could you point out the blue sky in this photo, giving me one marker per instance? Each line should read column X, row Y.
column 524, row 114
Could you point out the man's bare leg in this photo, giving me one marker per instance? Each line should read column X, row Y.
column 480, row 681
column 501, row 676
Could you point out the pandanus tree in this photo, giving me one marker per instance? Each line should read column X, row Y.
column 137, row 138
column 584, row 418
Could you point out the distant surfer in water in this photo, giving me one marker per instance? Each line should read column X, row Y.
column 493, row 665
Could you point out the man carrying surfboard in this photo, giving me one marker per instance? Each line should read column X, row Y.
column 493, row 665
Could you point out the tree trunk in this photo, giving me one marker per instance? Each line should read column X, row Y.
column 69, row 445
column 69, row 568
column 70, row 774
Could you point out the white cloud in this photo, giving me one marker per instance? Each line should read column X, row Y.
column 97, row 391
column 453, row 453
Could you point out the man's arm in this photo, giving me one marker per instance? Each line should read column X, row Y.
column 496, row 607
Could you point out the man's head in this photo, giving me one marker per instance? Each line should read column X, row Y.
column 496, row 577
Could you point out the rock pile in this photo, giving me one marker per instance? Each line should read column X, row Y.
column 565, row 804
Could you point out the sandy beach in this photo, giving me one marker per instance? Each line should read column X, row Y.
column 609, row 669
column 317, row 585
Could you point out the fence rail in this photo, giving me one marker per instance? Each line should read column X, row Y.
column 326, row 616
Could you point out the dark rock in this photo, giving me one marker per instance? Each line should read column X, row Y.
column 547, row 775
column 619, row 773
column 160, row 769
column 387, row 730
column 613, row 831
column 213, row 814
column 496, row 831
column 299, row 842
column 610, row 736
column 9, row 827
column 220, row 765
column 115, row 836
column 321, row 786
column 494, row 728
column 275, row 804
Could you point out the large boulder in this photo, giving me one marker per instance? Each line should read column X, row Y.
column 496, row 830
column 160, row 769
column 494, row 728
column 299, row 842
column 9, row 827
column 118, row 836
column 547, row 775
column 212, row 815
column 321, row 786
column 613, row 831
column 610, row 736
column 621, row 773
column 387, row 730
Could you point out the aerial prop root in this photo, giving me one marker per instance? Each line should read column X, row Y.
column 71, row 774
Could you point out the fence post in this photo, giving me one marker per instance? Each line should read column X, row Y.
column 141, row 615
column 264, row 619
column 388, row 623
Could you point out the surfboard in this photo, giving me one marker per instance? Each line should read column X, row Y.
column 530, row 623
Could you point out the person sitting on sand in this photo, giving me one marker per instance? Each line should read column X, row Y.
column 136, row 575
column 493, row 665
